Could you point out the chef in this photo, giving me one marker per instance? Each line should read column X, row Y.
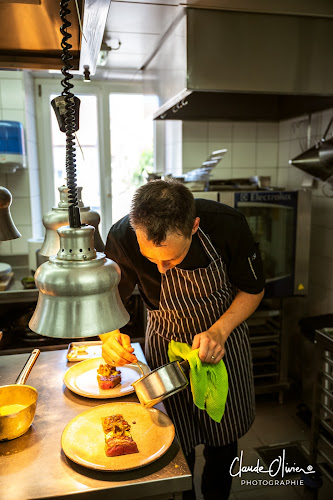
column 200, row 275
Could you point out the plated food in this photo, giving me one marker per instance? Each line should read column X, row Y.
column 81, row 378
column 118, row 437
column 83, row 439
column 108, row 376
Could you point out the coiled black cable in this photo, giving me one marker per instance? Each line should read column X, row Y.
column 66, row 57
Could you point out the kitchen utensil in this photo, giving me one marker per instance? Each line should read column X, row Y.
column 79, row 351
column 18, row 403
column 81, row 378
column 83, row 438
column 161, row 383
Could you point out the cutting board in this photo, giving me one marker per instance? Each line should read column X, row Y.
column 5, row 281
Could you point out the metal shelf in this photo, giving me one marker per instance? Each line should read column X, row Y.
column 265, row 333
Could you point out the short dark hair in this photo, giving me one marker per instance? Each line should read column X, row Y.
column 163, row 206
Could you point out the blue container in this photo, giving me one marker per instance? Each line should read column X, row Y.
column 12, row 146
column 11, row 138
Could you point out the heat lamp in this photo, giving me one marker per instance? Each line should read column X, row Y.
column 8, row 230
column 78, row 287
column 58, row 217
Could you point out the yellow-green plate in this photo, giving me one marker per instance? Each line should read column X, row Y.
column 81, row 378
column 83, row 439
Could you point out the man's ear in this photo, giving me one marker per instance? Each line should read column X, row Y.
column 195, row 225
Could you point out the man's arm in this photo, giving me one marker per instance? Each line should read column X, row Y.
column 211, row 343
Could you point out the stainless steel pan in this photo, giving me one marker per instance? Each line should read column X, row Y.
column 18, row 403
column 161, row 383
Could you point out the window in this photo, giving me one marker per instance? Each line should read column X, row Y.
column 132, row 147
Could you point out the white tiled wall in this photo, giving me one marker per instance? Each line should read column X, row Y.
column 17, row 103
column 252, row 148
column 264, row 149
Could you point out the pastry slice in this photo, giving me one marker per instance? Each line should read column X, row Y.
column 108, row 376
column 118, row 438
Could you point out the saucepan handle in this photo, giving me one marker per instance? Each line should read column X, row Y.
column 22, row 378
column 185, row 365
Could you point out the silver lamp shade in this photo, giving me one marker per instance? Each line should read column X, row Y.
column 58, row 217
column 8, row 230
column 78, row 290
column 316, row 161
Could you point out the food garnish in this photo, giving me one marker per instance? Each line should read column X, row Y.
column 118, row 438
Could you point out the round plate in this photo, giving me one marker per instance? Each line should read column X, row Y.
column 83, row 438
column 81, row 378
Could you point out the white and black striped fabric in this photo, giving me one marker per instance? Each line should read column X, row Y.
column 190, row 302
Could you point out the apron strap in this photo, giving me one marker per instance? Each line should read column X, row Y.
column 207, row 244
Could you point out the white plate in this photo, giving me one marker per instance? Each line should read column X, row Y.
column 83, row 438
column 81, row 378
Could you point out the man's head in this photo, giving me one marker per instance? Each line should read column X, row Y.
column 163, row 217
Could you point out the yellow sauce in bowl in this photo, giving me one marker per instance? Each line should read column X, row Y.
column 10, row 409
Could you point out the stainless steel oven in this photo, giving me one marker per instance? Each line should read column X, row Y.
column 280, row 222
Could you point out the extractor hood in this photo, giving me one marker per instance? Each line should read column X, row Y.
column 30, row 35
column 217, row 64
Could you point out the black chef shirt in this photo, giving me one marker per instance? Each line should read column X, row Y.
column 229, row 233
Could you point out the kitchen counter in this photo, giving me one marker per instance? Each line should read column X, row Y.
column 16, row 291
column 34, row 466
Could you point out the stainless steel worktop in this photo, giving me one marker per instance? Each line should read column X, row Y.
column 33, row 466
column 16, row 291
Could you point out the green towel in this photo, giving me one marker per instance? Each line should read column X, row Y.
column 209, row 382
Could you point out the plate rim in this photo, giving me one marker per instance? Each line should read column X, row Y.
column 97, row 396
column 103, row 469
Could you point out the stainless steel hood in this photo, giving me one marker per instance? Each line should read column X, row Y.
column 215, row 64
column 30, row 35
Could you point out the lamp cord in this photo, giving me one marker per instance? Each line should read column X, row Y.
column 66, row 57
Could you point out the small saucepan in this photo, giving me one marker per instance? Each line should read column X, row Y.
column 161, row 383
column 18, row 403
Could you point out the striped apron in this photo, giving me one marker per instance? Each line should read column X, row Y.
column 190, row 302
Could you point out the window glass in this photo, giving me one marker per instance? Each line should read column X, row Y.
column 132, row 142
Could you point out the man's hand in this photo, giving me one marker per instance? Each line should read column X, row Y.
column 117, row 349
column 210, row 345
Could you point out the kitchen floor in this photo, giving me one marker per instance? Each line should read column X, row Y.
column 275, row 424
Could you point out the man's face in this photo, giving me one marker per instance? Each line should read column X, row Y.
column 170, row 252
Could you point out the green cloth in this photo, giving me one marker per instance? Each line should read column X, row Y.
column 209, row 382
